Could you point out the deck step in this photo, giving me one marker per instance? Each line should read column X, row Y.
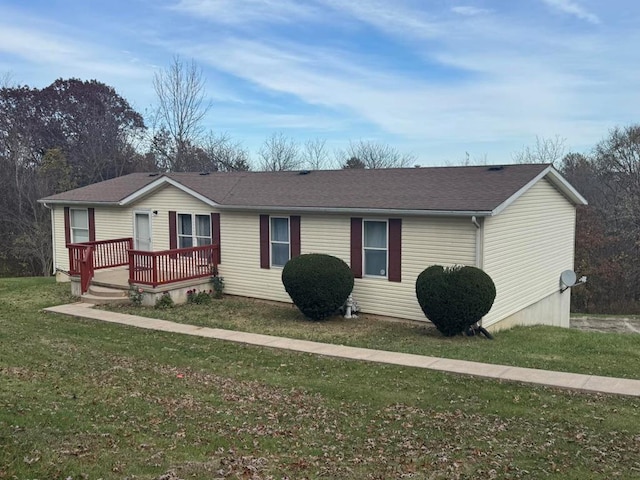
column 102, row 300
column 99, row 291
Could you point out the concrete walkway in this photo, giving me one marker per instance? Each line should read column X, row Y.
column 589, row 383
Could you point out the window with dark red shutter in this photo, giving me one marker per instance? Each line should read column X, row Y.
column 356, row 247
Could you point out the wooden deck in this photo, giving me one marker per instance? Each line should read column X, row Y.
column 117, row 277
column 114, row 263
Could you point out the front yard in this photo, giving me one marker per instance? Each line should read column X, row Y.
column 80, row 399
column 550, row 348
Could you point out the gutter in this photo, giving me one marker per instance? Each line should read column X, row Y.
column 336, row 210
column 44, row 201
column 360, row 210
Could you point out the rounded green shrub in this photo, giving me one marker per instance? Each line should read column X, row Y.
column 318, row 284
column 454, row 298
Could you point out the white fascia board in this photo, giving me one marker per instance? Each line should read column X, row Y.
column 565, row 187
column 556, row 179
column 160, row 182
column 360, row 211
column 78, row 202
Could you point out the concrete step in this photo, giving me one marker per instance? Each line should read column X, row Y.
column 99, row 291
column 102, row 300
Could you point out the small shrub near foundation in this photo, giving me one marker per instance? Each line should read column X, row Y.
column 199, row 298
column 165, row 301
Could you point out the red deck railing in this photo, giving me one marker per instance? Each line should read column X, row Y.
column 86, row 257
column 106, row 253
column 145, row 268
column 86, row 268
column 170, row 266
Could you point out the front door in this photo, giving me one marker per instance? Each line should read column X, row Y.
column 142, row 230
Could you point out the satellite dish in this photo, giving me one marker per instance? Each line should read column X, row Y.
column 567, row 278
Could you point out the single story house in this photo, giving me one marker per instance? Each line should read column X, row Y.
column 516, row 222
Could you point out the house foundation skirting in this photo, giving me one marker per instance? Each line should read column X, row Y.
column 552, row 310
column 177, row 291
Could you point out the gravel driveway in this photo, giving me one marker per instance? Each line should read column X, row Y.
column 606, row 324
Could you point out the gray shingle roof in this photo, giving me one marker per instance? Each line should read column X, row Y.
column 477, row 188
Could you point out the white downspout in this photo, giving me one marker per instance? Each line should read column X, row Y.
column 53, row 239
column 479, row 235
column 479, row 252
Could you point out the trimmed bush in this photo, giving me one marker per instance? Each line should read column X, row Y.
column 454, row 298
column 318, row 284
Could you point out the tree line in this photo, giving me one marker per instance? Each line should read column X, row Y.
column 74, row 133
column 608, row 229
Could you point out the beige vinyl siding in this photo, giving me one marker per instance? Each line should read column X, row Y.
column 113, row 222
column 240, row 246
column 526, row 247
column 166, row 199
column 326, row 234
column 425, row 242
column 117, row 222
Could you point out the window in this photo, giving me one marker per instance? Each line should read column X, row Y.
column 79, row 225
column 280, row 246
column 279, row 240
column 375, row 248
column 193, row 230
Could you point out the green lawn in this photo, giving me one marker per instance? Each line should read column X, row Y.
column 550, row 348
column 82, row 399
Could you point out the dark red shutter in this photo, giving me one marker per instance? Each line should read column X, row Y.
column 395, row 250
column 294, row 228
column 67, row 226
column 215, row 233
column 92, row 224
column 356, row 247
column 264, row 242
column 173, row 231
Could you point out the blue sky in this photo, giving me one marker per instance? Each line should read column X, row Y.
column 435, row 78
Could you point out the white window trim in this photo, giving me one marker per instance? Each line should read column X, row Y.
column 271, row 241
column 194, row 237
column 72, row 229
column 364, row 248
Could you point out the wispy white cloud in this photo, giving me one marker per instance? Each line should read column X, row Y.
column 515, row 82
column 66, row 54
column 400, row 19
column 468, row 10
column 573, row 8
column 243, row 12
column 426, row 74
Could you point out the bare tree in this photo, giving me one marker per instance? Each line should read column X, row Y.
column 315, row 154
column 181, row 108
column 374, row 155
column 279, row 153
column 226, row 155
column 7, row 80
column 353, row 162
column 607, row 230
column 545, row 150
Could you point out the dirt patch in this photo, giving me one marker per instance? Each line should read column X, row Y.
column 606, row 324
